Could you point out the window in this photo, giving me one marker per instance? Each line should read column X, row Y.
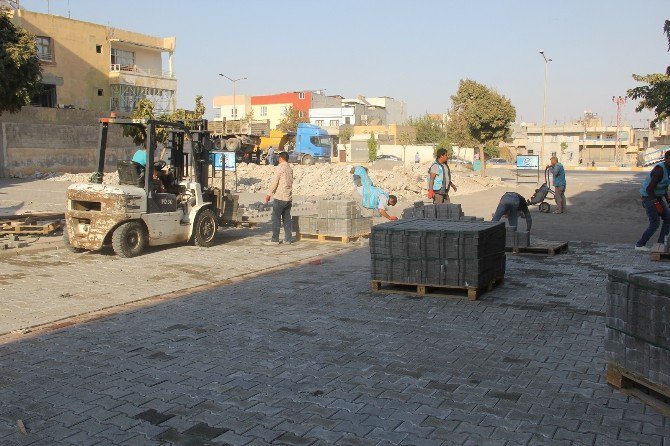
column 301, row 114
column 347, row 120
column 530, row 152
column 334, row 123
column 264, row 111
column 46, row 97
column 123, row 60
column 301, row 95
column 98, row 49
column 553, row 154
column 283, row 109
column 44, row 50
column 554, row 138
column 233, row 112
column 101, row 92
column 319, row 122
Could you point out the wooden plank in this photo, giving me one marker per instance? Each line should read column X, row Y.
column 543, row 248
column 655, row 395
column 329, row 238
column 658, row 253
column 37, row 229
column 422, row 289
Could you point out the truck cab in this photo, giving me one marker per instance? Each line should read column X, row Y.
column 312, row 144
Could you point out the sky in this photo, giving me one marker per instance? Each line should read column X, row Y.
column 415, row 51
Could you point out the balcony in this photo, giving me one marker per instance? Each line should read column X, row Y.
column 134, row 69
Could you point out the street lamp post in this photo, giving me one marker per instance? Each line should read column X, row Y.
column 544, row 107
column 234, row 81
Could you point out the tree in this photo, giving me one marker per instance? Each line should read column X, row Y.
column 345, row 134
column 20, row 72
column 289, row 123
column 656, row 94
column 428, row 131
column 405, row 139
column 372, row 147
column 479, row 117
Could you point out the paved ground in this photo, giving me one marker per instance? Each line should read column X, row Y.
column 310, row 355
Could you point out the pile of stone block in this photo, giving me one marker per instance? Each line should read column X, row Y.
column 638, row 323
column 337, row 218
column 516, row 238
column 438, row 252
column 444, row 211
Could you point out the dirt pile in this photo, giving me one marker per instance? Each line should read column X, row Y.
column 328, row 180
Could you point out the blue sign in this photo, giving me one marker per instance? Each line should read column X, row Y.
column 225, row 160
column 527, row 162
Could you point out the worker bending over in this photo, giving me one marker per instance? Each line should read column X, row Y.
column 362, row 173
column 511, row 204
column 375, row 199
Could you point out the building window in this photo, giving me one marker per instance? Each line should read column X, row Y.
column 98, row 49
column 319, row 122
column 122, row 60
column 347, row 120
column 233, row 112
column 101, row 92
column 530, row 152
column 284, row 109
column 44, row 50
column 334, row 123
column 553, row 154
column 301, row 95
column 301, row 114
column 46, row 97
column 264, row 111
column 554, row 138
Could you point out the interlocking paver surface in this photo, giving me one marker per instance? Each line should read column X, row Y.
column 310, row 355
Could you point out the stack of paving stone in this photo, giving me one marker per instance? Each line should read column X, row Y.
column 517, row 239
column 444, row 211
column 638, row 322
column 438, row 252
column 338, row 218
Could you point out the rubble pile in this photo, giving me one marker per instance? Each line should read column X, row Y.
column 330, row 180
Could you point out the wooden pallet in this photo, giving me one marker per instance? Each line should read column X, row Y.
column 655, row 395
column 32, row 228
column 423, row 289
column 658, row 253
column 541, row 247
column 330, row 238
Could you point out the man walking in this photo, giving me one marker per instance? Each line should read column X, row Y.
column 439, row 179
column 271, row 156
column 281, row 188
column 654, row 191
column 558, row 172
column 513, row 204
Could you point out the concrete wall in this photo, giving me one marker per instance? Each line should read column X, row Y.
column 407, row 153
column 56, row 140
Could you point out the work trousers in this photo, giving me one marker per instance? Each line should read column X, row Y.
column 281, row 211
column 441, row 198
column 649, row 204
column 510, row 206
column 560, row 199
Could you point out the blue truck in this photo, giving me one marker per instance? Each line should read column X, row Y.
column 309, row 144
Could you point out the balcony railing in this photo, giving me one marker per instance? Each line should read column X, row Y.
column 115, row 67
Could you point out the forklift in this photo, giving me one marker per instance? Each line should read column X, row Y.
column 152, row 205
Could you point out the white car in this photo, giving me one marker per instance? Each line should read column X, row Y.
column 497, row 161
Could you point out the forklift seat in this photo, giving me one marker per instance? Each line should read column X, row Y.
column 130, row 173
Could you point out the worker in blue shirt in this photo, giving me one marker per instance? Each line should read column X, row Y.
column 558, row 172
column 140, row 157
column 654, row 192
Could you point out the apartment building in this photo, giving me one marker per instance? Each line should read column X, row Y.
column 232, row 107
column 95, row 67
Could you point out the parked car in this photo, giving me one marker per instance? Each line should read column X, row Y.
column 388, row 158
column 497, row 161
column 457, row 160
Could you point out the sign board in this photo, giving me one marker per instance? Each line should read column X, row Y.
column 225, row 159
column 527, row 162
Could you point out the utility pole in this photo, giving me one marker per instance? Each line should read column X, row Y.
column 234, row 81
column 544, row 107
column 617, row 148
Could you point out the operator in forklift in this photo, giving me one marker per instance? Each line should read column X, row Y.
column 163, row 179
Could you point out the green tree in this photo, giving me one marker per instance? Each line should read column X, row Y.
column 20, row 72
column 346, row 131
column 479, row 117
column 372, row 147
column 289, row 123
column 428, row 131
column 656, row 94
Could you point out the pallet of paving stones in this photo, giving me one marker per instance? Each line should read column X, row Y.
column 422, row 289
column 444, row 211
column 540, row 247
column 637, row 324
column 659, row 252
column 650, row 393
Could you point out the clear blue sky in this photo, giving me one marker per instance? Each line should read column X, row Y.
column 415, row 51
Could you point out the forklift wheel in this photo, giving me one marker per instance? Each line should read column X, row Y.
column 129, row 239
column 545, row 207
column 204, row 229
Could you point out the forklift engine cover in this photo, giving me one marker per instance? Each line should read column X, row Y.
column 94, row 210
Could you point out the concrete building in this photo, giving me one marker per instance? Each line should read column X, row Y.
column 95, row 67
column 232, row 107
column 274, row 106
column 396, row 111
